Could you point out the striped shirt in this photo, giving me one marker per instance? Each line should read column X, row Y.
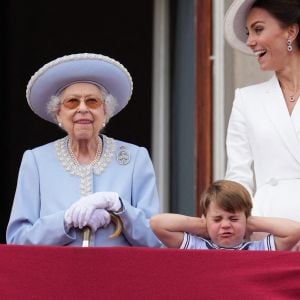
column 191, row 241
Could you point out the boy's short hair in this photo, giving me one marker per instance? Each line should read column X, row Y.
column 228, row 195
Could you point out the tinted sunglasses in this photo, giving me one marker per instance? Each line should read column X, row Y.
column 91, row 102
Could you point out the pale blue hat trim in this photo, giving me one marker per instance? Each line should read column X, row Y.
column 83, row 67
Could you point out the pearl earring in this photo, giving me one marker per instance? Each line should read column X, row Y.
column 59, row 124
column 103, row 124
column 289, row 45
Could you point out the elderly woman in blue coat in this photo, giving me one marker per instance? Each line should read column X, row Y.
column 80, row 183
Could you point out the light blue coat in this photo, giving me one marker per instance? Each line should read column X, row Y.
column 45, row 190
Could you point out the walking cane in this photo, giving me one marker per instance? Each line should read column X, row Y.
column 87, row 231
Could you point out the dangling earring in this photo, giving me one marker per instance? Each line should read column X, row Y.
column 59, row 124
column 103, row 124
column 289, row 45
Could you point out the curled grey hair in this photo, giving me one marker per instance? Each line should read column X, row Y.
column 108, row 100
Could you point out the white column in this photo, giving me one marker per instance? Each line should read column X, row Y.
column 160, row 100
column 219, row 126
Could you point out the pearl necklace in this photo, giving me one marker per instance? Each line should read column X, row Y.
column 84, row 171
column 97, row 156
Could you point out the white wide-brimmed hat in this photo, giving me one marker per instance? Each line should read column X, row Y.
column 83, row 67
column 235, row 25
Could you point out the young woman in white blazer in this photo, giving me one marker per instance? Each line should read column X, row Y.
column 263, row 137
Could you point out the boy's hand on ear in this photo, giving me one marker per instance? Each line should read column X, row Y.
column 202, row 228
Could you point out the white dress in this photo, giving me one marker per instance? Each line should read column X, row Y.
column 263, row 148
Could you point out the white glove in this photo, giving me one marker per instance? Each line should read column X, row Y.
column 80, row 212
column 100, row 218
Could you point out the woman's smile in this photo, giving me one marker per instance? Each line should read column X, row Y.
column 83, row 121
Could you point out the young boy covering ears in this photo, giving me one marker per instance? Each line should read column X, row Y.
column 226, row 221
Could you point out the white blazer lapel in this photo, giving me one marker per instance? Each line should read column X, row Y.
column 277, row 111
